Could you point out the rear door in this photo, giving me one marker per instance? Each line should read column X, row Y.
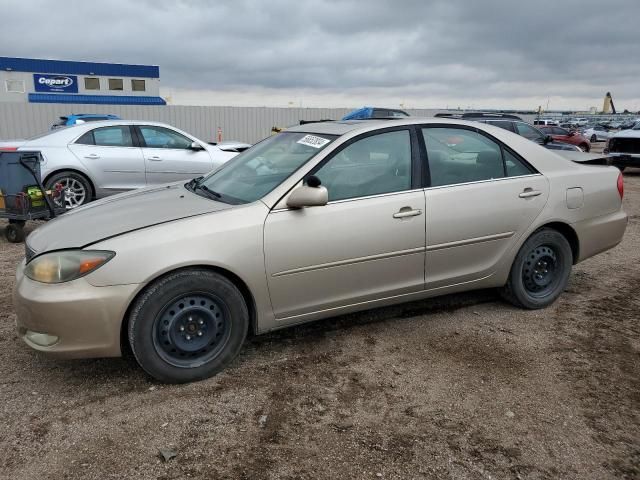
column 111, row 157
column 481, row 199
column 168, row 155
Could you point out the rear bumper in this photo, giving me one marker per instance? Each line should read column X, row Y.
column 601, row 233
column 70, row 320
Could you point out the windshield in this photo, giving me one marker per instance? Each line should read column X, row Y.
column 255, row 172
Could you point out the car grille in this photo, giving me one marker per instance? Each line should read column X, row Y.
column 624, row 145
column 29, row 253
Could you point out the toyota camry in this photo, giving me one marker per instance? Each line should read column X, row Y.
column 319, row 220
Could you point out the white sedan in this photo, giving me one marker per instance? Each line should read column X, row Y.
column 97, row 159
column 598, row 134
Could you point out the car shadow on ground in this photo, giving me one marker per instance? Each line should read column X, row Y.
column 126, row 373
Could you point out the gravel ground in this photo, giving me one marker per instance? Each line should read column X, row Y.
column 461, row 387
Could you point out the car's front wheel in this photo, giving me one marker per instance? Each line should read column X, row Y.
column 540, row 271
column 188, row 326
column 76, row 189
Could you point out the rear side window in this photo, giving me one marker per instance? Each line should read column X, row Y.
column 119, row 136
column 460, row 156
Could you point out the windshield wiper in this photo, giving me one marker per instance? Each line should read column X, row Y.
column 191, row 184
column 208, row 191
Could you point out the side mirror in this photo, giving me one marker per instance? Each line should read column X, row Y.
column 547, row 139
column 306, row 196
column 195, row 146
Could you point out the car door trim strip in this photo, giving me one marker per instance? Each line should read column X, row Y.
column 469, row 241
column 340, row 263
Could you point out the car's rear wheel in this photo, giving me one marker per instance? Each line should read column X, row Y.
column 76, row 189
column 188, row 326
column 584, row 147
column 593, row 138
column 540, row 271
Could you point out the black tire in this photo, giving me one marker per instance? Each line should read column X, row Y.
column 540, row 271
column 79, row 191
column 188, row 326
column 584, row 147
column 593, row 138
column 14, row 233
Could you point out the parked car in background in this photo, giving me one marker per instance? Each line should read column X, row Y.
column 597, row 133
column 623, row 148
column 320, row 220
column 97, row 159
column 514, row 124
column 77, row 118
column 366, row 113
column 567, row 136
column 545, row 121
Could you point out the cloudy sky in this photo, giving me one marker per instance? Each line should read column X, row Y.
column 348, row 53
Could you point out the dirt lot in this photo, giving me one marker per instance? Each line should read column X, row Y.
column 462, row 387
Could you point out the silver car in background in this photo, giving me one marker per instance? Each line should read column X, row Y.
column 320, row 220
column 97, row 159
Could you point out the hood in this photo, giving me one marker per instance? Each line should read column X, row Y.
column 120, row 214
column 628, row 134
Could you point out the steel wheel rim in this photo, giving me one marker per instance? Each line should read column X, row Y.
column 540, row 271
column 73, row 195
column 191, row 330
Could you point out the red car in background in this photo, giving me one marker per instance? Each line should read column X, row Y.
column 565, row 136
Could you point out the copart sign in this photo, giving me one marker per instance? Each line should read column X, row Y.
column 55, row 83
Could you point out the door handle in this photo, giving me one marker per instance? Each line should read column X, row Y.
column 155, row 159
column 406, row 212
column 92, row 156
column 530, row 192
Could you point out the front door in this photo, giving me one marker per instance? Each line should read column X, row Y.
column 482, row 199
column 366, row 244
column 169, row 157
column 111, row 158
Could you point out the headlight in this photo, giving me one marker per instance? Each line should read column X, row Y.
column 66, row 265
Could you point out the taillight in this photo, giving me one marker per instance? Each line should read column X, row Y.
column 620, row 185
column 8, row 149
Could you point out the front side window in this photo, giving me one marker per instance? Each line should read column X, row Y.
column 372, row 166
column 92, row 83
column 159, row 137
column 458, row 155
column 258, row 170
column 116, row 84
column 119, row 136
column 527, row 131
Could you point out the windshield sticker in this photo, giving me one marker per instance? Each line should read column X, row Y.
column 313, row 141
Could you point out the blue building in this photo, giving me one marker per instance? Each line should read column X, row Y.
column 58, row 81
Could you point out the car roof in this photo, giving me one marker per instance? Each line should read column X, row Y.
column 358, row 126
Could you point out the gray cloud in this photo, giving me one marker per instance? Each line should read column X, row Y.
column 467, row 51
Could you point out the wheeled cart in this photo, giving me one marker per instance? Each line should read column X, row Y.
column 22, row 195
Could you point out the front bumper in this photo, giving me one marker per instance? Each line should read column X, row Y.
column 85, row 319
